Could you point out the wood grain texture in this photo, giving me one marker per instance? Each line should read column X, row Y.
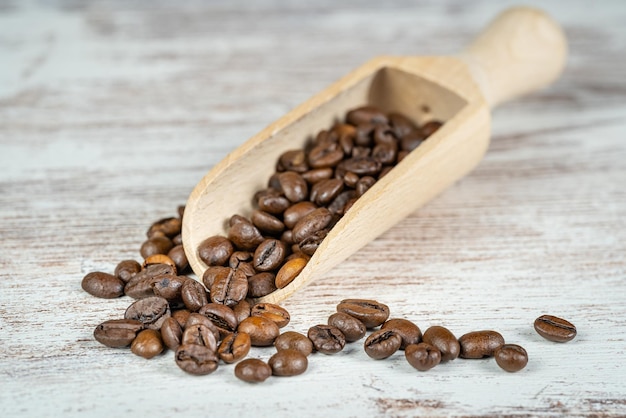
column 110, row 112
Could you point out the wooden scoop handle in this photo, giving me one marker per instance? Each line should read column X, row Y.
column 520, row 51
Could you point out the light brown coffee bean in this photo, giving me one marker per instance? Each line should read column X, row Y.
column 555, row 329
column 444, row 341
column 273, row 312
column 171, row 333
column 370, row 312
column 126, row 269
column 261, row 330
column 147, row 344
column 215, row 250
column 234, row 347
column 422, row 356
column 289, row 271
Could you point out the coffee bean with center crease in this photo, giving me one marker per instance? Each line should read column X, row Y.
column 215, row 250
column 294, row 341
column 324, row 155
column 422, row 356
column 297, row 212
column 407, row 330
column 194, row 295
column 289, row 271
column 261, row 330
column 444, row 341
column 196, row 359
column 273, row 312
column 140, row 285
column 555, row 329
column 311, row 223
column 238, row 258
column 288, row 363
column 126, row 269
column 327, row 339
column 293, row 186
column 117, row 333
column 268, row 224
column 261, row 284
column 325, row 191
column 156, row 245
column 103, row 285
column 147, row 344
column 385, row 153
column 230, row 288
column 480, row 344
column 311, row 243
column 196, row 318
column 168, row 286
column 269, row 255
column 234, row 347
column 382, row 344
column 370, row 312
column 352, row 328
column 171, row 333
column 199, row 335
column 151, row 311
column 293, row 160
column 222, row 317
column 253, row 370
column 511, row 357
column 244, row 234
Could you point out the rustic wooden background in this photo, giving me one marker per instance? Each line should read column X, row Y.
column 111, row 111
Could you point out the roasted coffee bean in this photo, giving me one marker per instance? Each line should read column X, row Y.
column 234, row 347
column 350, row 179
column 318, row 174
column 273, row 203
column 312, row 222
column 352, row 328
column 211, row 274
column 362, row 166
column 294, row 341
column 244, row 234
column 103, row 285
column 370, row 312
column 181, row 316
column 229, row 289
column 242, row 310
column 555, row 329
column 238, row 258
column 117, row 333
column 222, row 317
column 156, row 245
column 383, row 134
column 366, row 114
column 140, row 285
column 178, row 256
column 267, row 223
column 325, row 191
column 196, row 359
column 253, row 370
column 177, row 240
column 422, row 356
column 261, row 284
column 444, row 341
column 430, row 128
column 288, row 363
column 364, row 184
column 289, row 271
column 327, row 339
column 215, row 250
column 269, row 255
column 168, row 227
column 382, row 344
column 297, row 212
column 262, row 331
column 480, row 344
column 385, row 153
column 147, row 344
column 199, row 335
column 401, row 125
column 324, row 155
column 293, row 186
column 287, row 237
column 126, row 269
column 158, row 259
column 168, row 286
column 338, row 206
column 196, row 318
column 310, row 244
column 407, row 330
column 511, row 357
column 294, row 160
column 273, row 312
column 151, row 311
column 411, row 141
column 171, row 333
column 344, row 130
column 194, row 295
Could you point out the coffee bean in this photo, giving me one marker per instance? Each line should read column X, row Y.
column 253, row 370
column 288, row 363
column 194, row 295
column 261, row 330
column 401, row 125
column 324, row 155
column 382, row 344
column 289, row 271
column 293, row 160
column 370, row 312
column 511, row 357
column 422, row 356
column 294, row 341
column 221, row 316
column 430, row 128
column 444, row 341
column 311, row 223
column 151, row 311
column 140, row 285
column 267, row 223
column 171, row 333
column 244, row 234
column 352, row 328
column 269, row 255
column 261, row 284
column 272, row 312
column 239, row 258
column 361, row 165
column 480, row 344
column 407, row 330
column 196, row 319
column 327, row 339
column 311, row 243
column 325, row 191
column 242, row 310
column 293, row 186
column 181, row 316
column 317, row 174
column 178, row 256
column 156, row 245
column 168, row 286
column 274, row 203
column 196, row 359
column 158, row 259
column 555, row 329
column 126, row 269
column 147, row 344
column 297, row 212
column 199, row 335
column 215, row 250
column 177, row 240
column 234, row 347
column 103, row 285
column 167, row 227
column 117, row 333
column 212, row 273
column 338, row 206
column 366, row 114
column 230, row 288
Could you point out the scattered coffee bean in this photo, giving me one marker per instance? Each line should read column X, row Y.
column 151, row 311
column 269, row 255
column 480, row 344
column 103, row 285
column 168, row 286
column 261, row 330
column 215, row 251
column 407, row 330
column 370, row 312
column 147, row 344
column 126, row 269
column 511, row 357
column 382, row 343
column 178, row 256
column 352, row 328
column 140, row 285
column 288, row 363
column 327, row 339
column 199, row 335
column 194, row 295
column 234, row 347
column 156, row 245
column 253, row 370
column 229, row 289
column 181, row 316
column 422, row 356
column 444, row 341
column 171, row 333
column 196, row 359
column 166, row 227
column 244, row 234
column 294, row 341
column 117, row 333
column 296, row 212
column 272, row 312
column 221, row 316
column 289, row 271
column 555, row 329
column 195, row 319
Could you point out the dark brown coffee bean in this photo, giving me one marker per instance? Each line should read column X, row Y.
column 178, row 256
column 352, row 328
column 181, row 316
column 411, row 141
column 289, row 271
column 273, row 312
column 261, row 330
column 196, row 359
column 199, row 335
column 221, row 316
column 171, row 333
column 297, row 212
column 382, row 344
column 422, row 356
column 273, row 203
column 480, row 344
column 555, row 329
column 294, row 160
column 363, row 139
column 238, row 258
column 244, row 234
column 350, row 179
column 327, row 339
column 242, row 310
column 288, row 363
column 407, row 330
column 229, row 289
column 370, row 312
column 294, row 341
column 366, row 114
column 338, row 206
column 167, row 227
column 385, row 153
column 156, row 245
column 511, row 357
column 269, row 255
column 293, row 186
column 312, row 222
column 383, row 135
column 324, row 155
column 325, row 191
column 147, row 344
column 401, row 125
column 364, row 184
column 287, row 237
column 310, row 244
column 253, row 370
column 234, row 347
column 215, row 250
column 344, row 130
column 178, row 240
column 117, row 333
column 126, row 269
column 194, row 295
column 430, row 128
column 211, row 274
column 168, row 286
column 196, row 318
column 444, row 341
column 140, row 285
column 261, row 284
column 361, row 166
column 102, row 285
column 267, row 223
column 318, row 174
column 151, row 311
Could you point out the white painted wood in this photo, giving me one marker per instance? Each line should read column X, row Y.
column 110, row 113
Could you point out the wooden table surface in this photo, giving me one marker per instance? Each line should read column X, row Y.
column 111, row 111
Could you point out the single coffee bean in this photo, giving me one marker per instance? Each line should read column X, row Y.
column 555, row 329
column 242, row 310
column 273, row 312
column 261, row 330
column 401, row 125
column 480, row 344
column 326, row 191
column 261, row 284
column 194, row 295
column 103, row 285
column 171, row 333
column 431, row 127
column 311, row 243
column 234, row 347
column 422, row 356
column 244, row 234
column 269, row 255
column 366, row 114
column 199, row 335
column 383, row 135
column 297, row 212
column 156, row 245
column 181, row 316
column 362, row 166
column 275, row 204
column 229, row 289
column 147, row 344
column 289, row 271
column 140, row 285
column 370, row 312
column 126, row 269
column 267, row 223
column 212, row 273
column 168, row 286
column 382, row 344
column 327, row 339
column 238, row 258
column 196, row 319
column 317, row 174
column 324, row 155
column 178, row 256
column 444, row 341
column 215, row 250
column 168, row 227
column 253, row 370
column 511, row 357
column 196, row 359
column 312, row 222
column 222, row 317
column 407, row 330
column 338, row 206
column 294, row 341
column 158, row 259
column 288, row 363
column 117, row 333
column 151, row 311
column 293, row 160
column 352, row 328
column 293, row 186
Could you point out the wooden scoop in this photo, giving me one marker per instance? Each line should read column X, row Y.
column 522, row 50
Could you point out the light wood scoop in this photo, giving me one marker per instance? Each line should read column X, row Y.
column 522, row 50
